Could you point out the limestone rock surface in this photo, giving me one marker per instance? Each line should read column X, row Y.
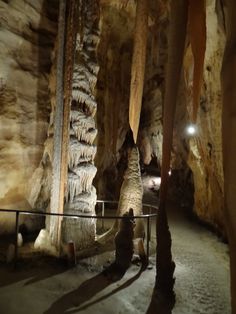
column 27, row 35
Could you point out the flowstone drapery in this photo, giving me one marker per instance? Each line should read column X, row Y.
column 80, row 194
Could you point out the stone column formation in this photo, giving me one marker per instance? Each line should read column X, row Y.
column 80, row 194
column 131, row 192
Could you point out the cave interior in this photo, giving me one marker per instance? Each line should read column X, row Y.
column 118, row 108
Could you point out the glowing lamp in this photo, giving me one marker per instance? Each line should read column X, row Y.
column 191, row 129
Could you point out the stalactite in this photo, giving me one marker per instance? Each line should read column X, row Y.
column 85, row 73
column 85, row 201
column 138, row 65
column 84, row 135
column 80, row 180
column 83, row 127
column 84, row 98
column 197, row 32
column 80, row 153
column 81, row 117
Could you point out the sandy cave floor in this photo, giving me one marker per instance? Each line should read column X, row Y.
column 47, row 286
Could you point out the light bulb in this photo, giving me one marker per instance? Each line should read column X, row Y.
column 191, row 129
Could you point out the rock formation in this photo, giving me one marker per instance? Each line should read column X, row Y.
column 80, row 194
column 27, row 36
column 205, row 150
column 131, row 193
column 124, row 242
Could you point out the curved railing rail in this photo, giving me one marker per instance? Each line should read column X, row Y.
column 150, row 207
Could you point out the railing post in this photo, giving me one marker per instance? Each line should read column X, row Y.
column 148, row 237
column 150, row 229
column 103, row 212
column 16, row 236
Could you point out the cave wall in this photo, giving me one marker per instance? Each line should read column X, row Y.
column 27, row 35
column 205, row 149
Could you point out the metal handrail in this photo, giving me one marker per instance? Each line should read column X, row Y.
column 18, row 212
column 28, row 212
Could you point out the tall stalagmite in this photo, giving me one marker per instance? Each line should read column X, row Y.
column 131, row 193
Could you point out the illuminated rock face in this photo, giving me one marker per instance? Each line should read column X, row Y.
column 205, row 150
column 27, row 35
column 26, row 40
column 81, row 195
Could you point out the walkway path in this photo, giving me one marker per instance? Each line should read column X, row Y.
column 202, row 269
